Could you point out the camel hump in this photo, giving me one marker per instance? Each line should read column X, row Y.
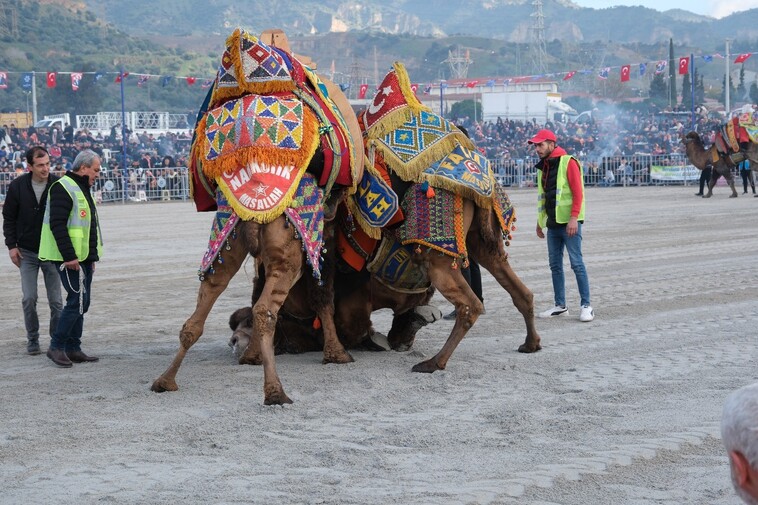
column 275, row 37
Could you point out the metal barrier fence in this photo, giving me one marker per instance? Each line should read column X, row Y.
column 155, row 184
column 167, row 184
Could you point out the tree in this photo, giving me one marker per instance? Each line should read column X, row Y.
column 686, row 90
column 699, row 89
column 658, row 90
column 673, row 67
column 722, row 96
column 466, row 108
column 741, row 90
column 754, row 92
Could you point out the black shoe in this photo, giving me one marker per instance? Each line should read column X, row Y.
column 80, row 357
column 449, row 317
column 58, row 356
column 698, row 194
column 32, row 348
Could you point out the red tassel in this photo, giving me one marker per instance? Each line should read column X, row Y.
column 454, row 266
column 430, row 193
column 316, row 323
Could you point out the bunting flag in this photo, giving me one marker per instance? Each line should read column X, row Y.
column 569, row 75
column 741, row 58
column 719, row 56
column 52, row 79
column 26, row 81
column 207, row 83
column 660, row 67
column 76, row 79
column 707, row 58
column 428, row 89
column 472, row 84
column 443, row 84
column 414, row 88
column 603, row 74
column 120, row 76
column 344, row 86
column 362, row 91
column 3, row 80
column 625, row 71
column 490, row 83
column 684, row 65
column 191, row 80
column 98, row 76
column 165, row 80
column 142, row 80
column 643, row 69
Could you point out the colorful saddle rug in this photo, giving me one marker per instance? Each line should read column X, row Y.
column 464, row 171
column 375, row 201
column 749, row 121
column 222, row 228
column 393, row 266
column 305, row 213
column 436, row 222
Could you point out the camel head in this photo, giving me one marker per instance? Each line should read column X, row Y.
column 241, row 324
column 692, row 137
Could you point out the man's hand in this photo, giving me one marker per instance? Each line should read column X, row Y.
column 572, row 227
column 540, row 234
column 72, row 265
column 16, row 256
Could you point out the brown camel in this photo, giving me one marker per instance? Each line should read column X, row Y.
column 701, row 157
column 280, row 252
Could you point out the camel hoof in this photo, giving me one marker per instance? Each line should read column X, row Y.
column 339, row 358
column 277, row 398
column 161, row 385
column 403, row 346
column 707, row 196
column 250, row 360
column 529, row 348
column 733, row 196
column 428, row 366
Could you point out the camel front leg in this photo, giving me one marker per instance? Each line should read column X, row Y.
column 452, row 285
column 211, row 288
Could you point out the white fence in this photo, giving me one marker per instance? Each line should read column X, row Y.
column 102, row 122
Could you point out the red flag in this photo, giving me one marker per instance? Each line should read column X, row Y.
column 76, row 79
column 569, row 75
column 120, row 76
column 191, row 81
column 362, row 91
column 741, row 58
column 625, row 71
column 684, row 65
column 52, row 79
column 472, row 84
column 414, row 88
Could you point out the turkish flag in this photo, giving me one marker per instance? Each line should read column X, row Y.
column 414, row 88
column 191, row 81
column 120, row 76
column 52, row 79
column 569, row 75
column 362, row 91
column 625, row 71
column 741, row 58
column 684, row 65
column 472, row 84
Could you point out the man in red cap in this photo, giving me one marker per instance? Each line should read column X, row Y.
column 560, row 209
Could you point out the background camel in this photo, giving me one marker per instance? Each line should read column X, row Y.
column 701, row 157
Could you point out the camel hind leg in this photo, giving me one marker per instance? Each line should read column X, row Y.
column 211, row 288
column 523, row 298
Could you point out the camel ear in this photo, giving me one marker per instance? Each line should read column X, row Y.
column 239, row 316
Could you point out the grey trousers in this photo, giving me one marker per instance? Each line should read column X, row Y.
column 30, row 267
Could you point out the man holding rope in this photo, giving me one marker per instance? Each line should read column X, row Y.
column 71, row 238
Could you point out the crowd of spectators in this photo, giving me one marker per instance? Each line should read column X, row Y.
column 620, row 142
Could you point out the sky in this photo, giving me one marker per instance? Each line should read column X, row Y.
column 714, row 8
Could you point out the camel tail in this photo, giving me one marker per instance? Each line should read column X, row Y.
column 251, row 233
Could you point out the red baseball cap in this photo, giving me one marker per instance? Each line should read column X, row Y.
column 542, row 136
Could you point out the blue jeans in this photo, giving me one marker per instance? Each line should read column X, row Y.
column 29, row 269
column 557, row 239
column 68, row 335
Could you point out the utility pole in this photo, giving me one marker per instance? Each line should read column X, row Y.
column 727, row 80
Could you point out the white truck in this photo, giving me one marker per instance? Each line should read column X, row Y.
column 59, row 120
column 541, row 106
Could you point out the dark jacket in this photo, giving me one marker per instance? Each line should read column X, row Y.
column 60, row 208
column 22, row 215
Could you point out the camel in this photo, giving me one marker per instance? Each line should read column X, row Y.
column 277, row 248
column 701, row 158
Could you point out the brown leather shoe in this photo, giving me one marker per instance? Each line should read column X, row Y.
column 58, row 356
column 80, row 357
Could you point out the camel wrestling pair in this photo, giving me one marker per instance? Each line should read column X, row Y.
column 735, row 142
column 343, row 214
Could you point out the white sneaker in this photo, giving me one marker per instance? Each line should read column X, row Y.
column 555, row 311
column 587, row 314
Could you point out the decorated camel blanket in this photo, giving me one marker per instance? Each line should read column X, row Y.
column 262, row 122
column 305, row 214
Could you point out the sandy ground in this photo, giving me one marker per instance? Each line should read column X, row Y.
column 623, row 410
